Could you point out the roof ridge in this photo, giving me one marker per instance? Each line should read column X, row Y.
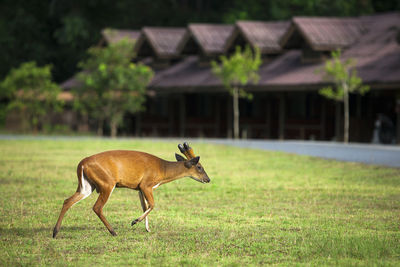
column 162, row 28
column 210, row 24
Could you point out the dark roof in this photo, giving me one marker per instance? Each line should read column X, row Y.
column 163, row 41
column 264, row 35
column 285, row 72
column 324, row 34
column 212, row 38
column 376, row 52
column 114, row 35
column 373, row 46
column 188, row 74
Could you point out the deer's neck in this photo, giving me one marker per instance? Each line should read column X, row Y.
column 174, row 171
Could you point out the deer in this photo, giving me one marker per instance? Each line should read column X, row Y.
column 136, row 170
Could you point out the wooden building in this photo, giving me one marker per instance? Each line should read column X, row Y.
column 188, row 100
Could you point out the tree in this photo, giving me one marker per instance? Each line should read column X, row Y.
column 235, row 72
column 111, row 84
column 345, row 80
column 31, row 91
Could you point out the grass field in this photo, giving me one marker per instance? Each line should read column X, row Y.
column 260, row 208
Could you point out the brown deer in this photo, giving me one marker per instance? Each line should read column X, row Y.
column 130, row 169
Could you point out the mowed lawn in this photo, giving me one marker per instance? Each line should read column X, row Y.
column 260, row 208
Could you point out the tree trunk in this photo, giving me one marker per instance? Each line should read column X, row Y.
column 338, row 122
column 100, row 127
column 115, row 120
column 113, row 126
column 346, row 113
column 236, row 113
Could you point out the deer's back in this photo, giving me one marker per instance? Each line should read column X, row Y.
column 124, row 168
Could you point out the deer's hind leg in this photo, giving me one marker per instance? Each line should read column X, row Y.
column 85, row 188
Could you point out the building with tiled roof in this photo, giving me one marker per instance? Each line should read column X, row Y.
column 211, row 38
column 162, row 42
column 323, row 34
column 261, row 34
column 190, row 101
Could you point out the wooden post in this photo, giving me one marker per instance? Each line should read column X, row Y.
column 182, row 115
column 282, row 115
column 302, row 133
column 346, row 113
column 268, row 114
column 236, row 113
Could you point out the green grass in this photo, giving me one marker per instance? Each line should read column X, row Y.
column 260, row 208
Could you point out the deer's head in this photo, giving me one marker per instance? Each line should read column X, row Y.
column 195, row 169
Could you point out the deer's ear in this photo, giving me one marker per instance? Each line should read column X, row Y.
column 192, row 162
column 179, row 157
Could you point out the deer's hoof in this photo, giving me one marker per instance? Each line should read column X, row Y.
column 55, row 231
column 134, row 222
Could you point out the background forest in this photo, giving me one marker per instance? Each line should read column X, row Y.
column 60, row 31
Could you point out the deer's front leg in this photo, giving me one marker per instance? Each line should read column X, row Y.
column 144, row 207
column 148, row 195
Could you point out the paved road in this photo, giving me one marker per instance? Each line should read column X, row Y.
column 387, row 155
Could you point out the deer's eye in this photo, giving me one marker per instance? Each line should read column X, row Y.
column 199, row 168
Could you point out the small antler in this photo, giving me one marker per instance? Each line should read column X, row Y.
column 189, row 150
column 186, row 150
column 183, row 150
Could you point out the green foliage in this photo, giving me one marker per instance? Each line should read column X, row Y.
column 341, row 74
column 74, row 32
column 345, row 79
column 239, row 69
column 31, row 91
column 111, row 84
column 285, row 9
column 291, row 211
